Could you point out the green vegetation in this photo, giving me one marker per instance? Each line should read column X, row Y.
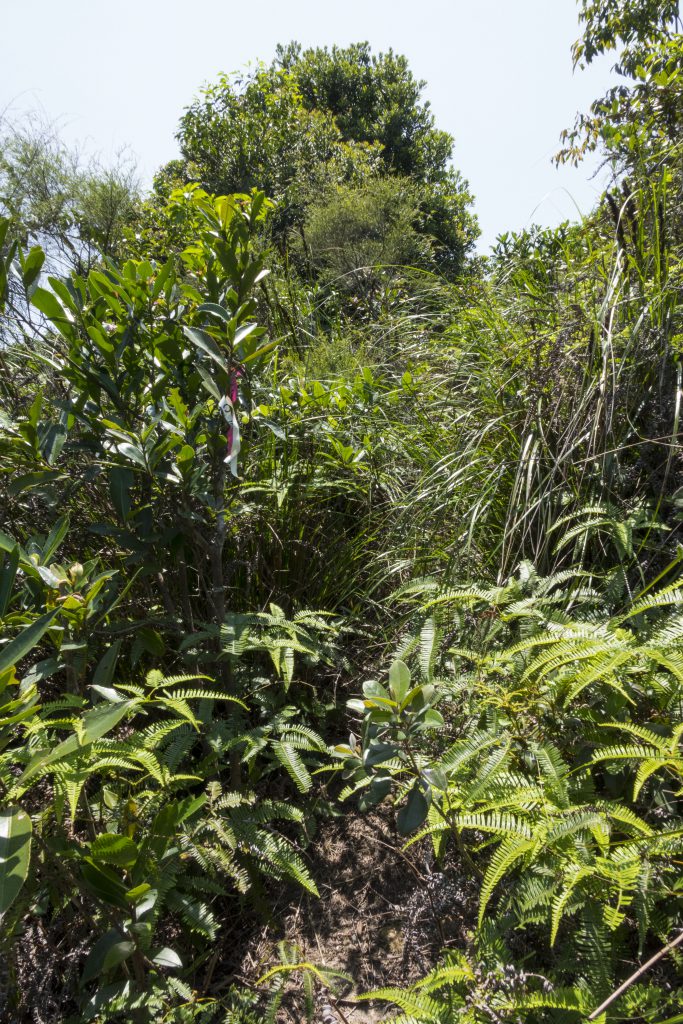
column 341, row 609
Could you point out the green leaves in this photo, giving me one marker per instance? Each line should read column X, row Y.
column 31, row 265
column 48, row 303
column 167, row 958
column 120, row 484
column 131, row 453
column 8, row 571
column 15, row 853
column 394, row 719
column 290, row 759
column 413, row 812
column 205, row 343
column 399, row 681
column 555, row 837
column 107, row 953
column 488, row 411
column 114, row 849
column 12, row 653
column 95, row 724
column 104, row 884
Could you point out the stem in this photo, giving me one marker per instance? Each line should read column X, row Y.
column 637, row 974
column 462, row 850
column 217, row 546
column 186, row 604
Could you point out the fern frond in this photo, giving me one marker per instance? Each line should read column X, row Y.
column 652, row 765
column 574, row 874
column 499, row 824
column 623, row 751
column 508, row 853
column 667, row 596
column 558, row 999
column 291, row 761
column 577, row 820
column 304, row 738
column 197, row 694
column 416, row 1005
column 490, row 769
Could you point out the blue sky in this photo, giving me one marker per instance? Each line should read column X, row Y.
column 498, row 74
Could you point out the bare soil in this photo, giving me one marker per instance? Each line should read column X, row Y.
column 383, row 916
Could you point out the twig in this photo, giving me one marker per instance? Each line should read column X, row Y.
column 333, row 1004
column 634, row 977
column 399, row 853
column 210, row 969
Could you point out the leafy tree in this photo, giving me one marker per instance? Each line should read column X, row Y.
column 137, row 451
column 255, row 132
column 373, row 99
column 314, row 121
column 635, row 24
column 353, row 233
column 637, row 117
column 77, row 210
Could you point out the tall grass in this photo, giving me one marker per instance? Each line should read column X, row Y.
column 461, row 429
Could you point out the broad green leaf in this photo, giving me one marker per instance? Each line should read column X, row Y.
column 94, row 725
column 8, row 572
column 138, row 893
column 52, row 440
column 68, row 293
column 371, row 688
column 15, row 853
column 167, row 958
column 378, row 789
column 166, row 273
column 31, row 266
column 413, row 812
column 432, row 719
column 244, row 332
column 55, row 538
column 104, row 884
column 15, row 650
column 118, row 953
column 436, row 777
column 132, row 452
column 262, row 351
column 399, row 681
column 208, row 383
column 379, row 752
column 48, row 577
column 120, row 483
column 185, row 457
column 27, row 481
column 48, row 303
column 104, row 673
column 205, row 343
column 219, row 311
column 95, row 963
column 7, row 543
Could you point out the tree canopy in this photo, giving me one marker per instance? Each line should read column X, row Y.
column 317, row 120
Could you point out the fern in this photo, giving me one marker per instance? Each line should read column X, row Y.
column 510, row 851
column 500, row 824
column 289, row 758
column 415, row 1005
